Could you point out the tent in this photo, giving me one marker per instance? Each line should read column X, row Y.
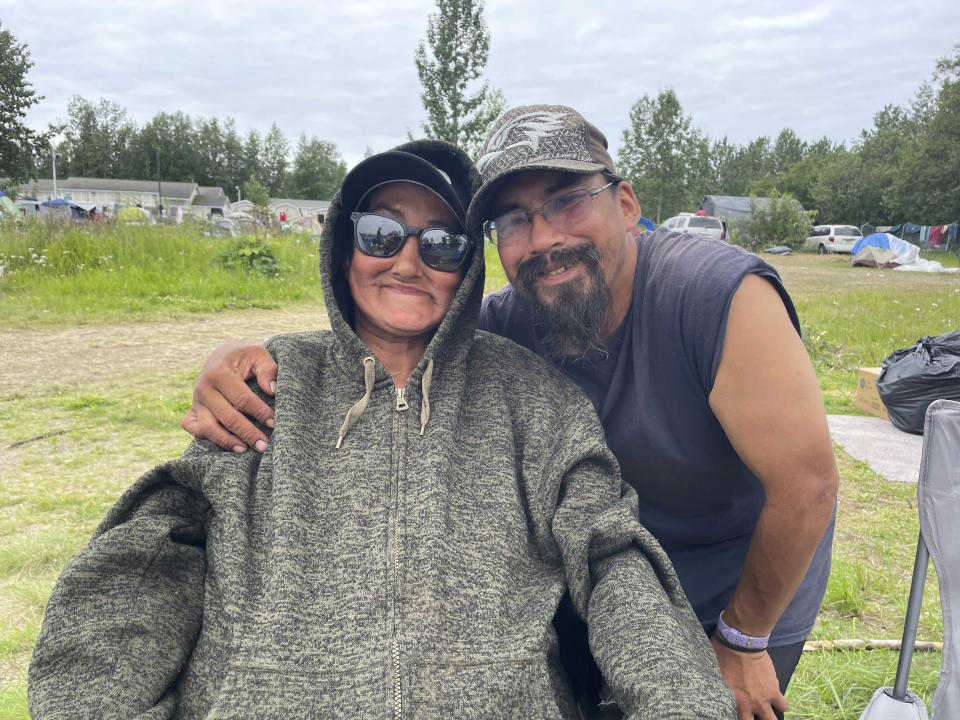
column 8, row 211
column 65, row 209
column 132, row 214
column 883, row 250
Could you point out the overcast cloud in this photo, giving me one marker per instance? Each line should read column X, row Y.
column 345, row 73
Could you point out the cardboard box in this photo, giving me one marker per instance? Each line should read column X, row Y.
column 867, row 397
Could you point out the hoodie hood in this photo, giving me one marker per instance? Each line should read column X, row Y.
column 453, row 337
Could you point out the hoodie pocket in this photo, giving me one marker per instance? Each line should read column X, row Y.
column 288, row 691
column 529, row 688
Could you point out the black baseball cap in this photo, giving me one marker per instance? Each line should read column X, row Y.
column 395, row 166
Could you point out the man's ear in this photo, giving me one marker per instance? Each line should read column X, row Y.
column 629, row 205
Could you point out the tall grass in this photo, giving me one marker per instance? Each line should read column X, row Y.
column 55, row 273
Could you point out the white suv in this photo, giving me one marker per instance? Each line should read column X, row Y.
column 698, row 225
column 832, row 238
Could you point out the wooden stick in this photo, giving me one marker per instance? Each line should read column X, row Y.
column 918, row 646
column 41, row 436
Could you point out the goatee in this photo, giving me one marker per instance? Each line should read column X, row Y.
column 570, row 317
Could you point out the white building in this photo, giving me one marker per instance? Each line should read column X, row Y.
column 110, row 195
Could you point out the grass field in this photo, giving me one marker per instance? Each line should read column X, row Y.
column 98, row 370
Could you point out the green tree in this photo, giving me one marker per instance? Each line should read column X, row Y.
column 174, row 136
column 273, row 161
column 664, row 157
column 926, row 187
column 787, row 150
column 753, row 166
column 99, row 141
column 21, row 149
column 775, row 221
column 233, row 158
column 800, row 178
column 318, row 170
column 256, row 192
column 449, row 63
column 252, row 148
column 845, row 192
column 210, row 152
column 722, row 154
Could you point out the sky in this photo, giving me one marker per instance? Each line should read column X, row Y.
column 344, row 71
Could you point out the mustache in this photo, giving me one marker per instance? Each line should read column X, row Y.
column 529, row 270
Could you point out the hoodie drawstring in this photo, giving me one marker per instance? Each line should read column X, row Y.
column 369, row 374
column 354, row 413
column 425, row 401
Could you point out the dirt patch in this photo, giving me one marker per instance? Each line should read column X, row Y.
column 70, row 359
column 805, row 274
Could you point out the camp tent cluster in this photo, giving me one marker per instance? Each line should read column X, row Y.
column 883, row 250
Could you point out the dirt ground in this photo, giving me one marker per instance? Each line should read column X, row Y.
column 71, row 358
column 821, row 273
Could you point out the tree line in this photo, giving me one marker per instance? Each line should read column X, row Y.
column 100, row 140
column 905, row 168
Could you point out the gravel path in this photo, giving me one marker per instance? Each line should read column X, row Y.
column 71, row 358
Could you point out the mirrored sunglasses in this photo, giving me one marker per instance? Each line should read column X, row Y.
column 383, row 237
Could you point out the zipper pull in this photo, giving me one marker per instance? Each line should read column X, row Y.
column 402, row 400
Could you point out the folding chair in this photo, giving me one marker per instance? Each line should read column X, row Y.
column 938, row 499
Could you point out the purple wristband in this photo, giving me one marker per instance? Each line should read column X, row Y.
column 740, row 641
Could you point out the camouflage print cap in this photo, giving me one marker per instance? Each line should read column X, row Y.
column 535, row 137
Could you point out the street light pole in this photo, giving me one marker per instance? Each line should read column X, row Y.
column 53, row 154
column 159, row 197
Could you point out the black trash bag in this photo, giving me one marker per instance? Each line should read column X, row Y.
column 914, row 377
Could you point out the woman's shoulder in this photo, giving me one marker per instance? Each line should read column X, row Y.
column 299, row 342
column 516, row 366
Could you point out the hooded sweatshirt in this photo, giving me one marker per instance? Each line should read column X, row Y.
column 389, row 556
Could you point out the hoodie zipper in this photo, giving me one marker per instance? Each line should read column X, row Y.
column 400, row 436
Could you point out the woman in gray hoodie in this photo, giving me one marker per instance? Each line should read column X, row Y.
column 428, row 495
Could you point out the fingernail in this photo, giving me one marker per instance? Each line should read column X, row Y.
column 273, row 386
column 261, row 445
column 269, row 422
column 239, row 449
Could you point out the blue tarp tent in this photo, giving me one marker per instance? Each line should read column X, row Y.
column 61, row 207
column 883, row 250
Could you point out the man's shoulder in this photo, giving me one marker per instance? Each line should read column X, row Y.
column 505, row 312
column 504, row 299
column 690, row 267
column 678, row 252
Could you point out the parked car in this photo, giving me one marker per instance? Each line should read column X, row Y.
column 698, row 225
column 832, row 238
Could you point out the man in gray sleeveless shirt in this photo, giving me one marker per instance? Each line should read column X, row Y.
column 690, row 351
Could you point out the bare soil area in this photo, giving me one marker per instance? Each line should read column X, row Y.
column 70, row 359
column 806, row 274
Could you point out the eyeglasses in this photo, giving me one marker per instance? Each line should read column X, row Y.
column 563, row 210
column 383, row 237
